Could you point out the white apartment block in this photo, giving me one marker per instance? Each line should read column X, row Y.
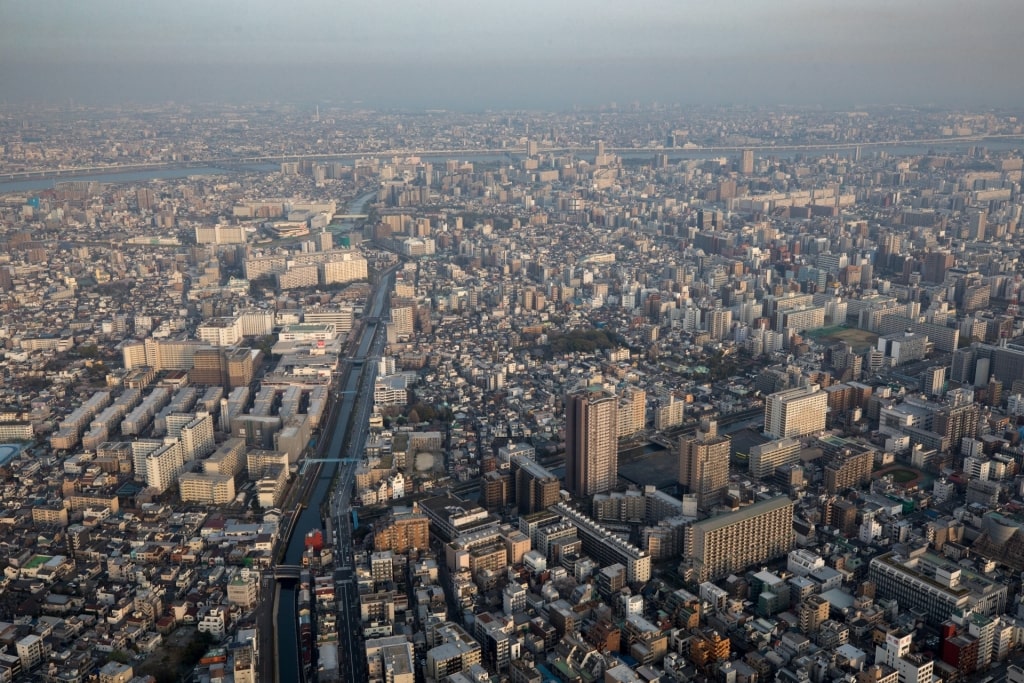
column 164, row 465
column 795, row 412
column 197, row 437
column 220, row 332
column 348, row 268
column 255, row 322
column 209, row 489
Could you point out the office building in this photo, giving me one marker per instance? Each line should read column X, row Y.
column 591, row 443
column 795, row 412
column 730, row 543
column 704, row 465
column 896, row 654
column 934, row 586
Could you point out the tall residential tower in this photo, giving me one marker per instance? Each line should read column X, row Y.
column 591, row 444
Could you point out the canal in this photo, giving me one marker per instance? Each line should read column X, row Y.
column 288, row 665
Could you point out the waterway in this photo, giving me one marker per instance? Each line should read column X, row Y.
column 288, row 664
column 867, row 151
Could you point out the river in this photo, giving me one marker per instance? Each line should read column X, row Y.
column 868, row 150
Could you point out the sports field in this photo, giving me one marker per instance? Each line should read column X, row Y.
column 860, row 340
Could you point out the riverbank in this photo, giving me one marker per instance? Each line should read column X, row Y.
column 133, row 173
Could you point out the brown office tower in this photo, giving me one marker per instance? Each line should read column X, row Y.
column 208, row 367
column 591, row 445
column 536, row 488
column 494, row 488
column 242, row 365
column 704, row 465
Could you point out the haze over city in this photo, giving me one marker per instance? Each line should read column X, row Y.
column 471, row 342
column 532, row 54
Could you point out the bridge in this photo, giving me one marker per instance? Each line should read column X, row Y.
column 287, row 572
column 316, row 461
column 351, row 216
column 214, row 161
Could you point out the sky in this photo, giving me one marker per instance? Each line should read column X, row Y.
column 522, row 54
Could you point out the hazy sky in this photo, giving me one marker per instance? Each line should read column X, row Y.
column 476, row 54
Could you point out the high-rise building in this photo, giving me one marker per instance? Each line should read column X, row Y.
column 241, row 366
column 208, row 366
column 536, row 488
column 747, row 162
column 795, row 412
column 632, row 411
column 704, row 465
column 730, row 543
column 402, row 318
column 324, row 241
column 719, row 323
column 591, row 444
column 936, row 263
column 6, row 278
column 848, row 463
column 145, row 198
column 403, row 529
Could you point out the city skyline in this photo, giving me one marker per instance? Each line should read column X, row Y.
column 458, row 55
